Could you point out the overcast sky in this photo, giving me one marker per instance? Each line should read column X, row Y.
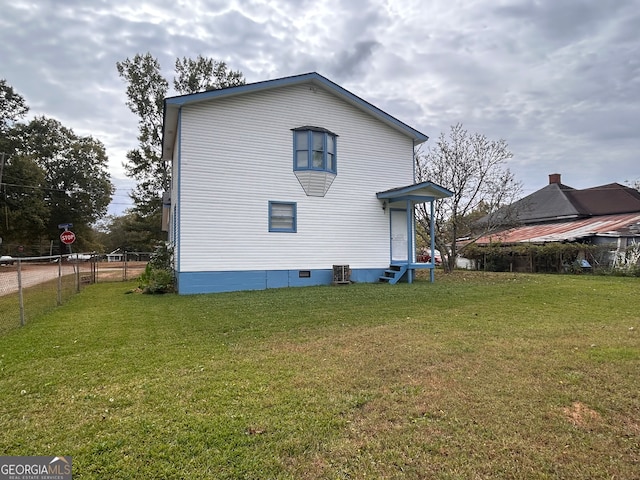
column 558, row 80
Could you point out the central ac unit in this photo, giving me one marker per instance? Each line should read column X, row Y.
column 341, row 274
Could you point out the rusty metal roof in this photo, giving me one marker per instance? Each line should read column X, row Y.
column 621, row 225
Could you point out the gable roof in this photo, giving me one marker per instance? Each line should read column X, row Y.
column 418, row 192
column 172, row 105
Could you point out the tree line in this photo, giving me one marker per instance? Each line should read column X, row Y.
column 49, row 175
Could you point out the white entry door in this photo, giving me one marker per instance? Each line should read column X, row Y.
column 399, row 236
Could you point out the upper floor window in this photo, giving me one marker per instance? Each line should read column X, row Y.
column 314, row 149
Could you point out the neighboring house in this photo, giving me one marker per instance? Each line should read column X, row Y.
column 603, row 215
column 289, row 182
column 115, row 256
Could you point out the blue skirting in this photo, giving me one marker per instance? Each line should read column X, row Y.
column 215, row 282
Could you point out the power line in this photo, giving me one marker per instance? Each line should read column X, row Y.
column 35, row 187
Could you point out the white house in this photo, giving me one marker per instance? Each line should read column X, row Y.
column 275, row 183
column 115, row 256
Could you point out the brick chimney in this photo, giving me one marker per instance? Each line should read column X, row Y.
column 554, row 178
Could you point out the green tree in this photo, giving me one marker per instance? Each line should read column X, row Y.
column 23, row 210
column 129, row 232
column 13, row 106
column 50, row 176
column 473, row 168
column 77, row 183
column 204, row 74
column 146, row 91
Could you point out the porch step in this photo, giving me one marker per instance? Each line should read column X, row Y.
column 393, row 274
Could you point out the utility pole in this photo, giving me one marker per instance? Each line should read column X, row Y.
column 6, row 216
column 1, row 169
column 1, row 166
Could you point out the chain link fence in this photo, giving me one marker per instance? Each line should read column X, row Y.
column 31, row 286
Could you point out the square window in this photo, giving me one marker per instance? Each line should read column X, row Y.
column 282, row 217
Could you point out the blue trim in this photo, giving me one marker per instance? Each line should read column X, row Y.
column 178, row 199
column 414, row 265
column 391, row 232
column 294, row 213
column 411, row 265
column 412, row 192
column 410, row 236
column 231, row 281
column 414, row 198
column 295, row 150
column 335, row 154
column 432, row 236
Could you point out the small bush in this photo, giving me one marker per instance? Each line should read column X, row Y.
column 158, row 275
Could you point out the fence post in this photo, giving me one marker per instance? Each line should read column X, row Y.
column 60, row 280
column 20, row 297
column 124, row 267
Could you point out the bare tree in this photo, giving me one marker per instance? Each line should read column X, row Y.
column 473, row 168
column 634, row 184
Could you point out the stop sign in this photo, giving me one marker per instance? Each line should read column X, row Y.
column 67, row 237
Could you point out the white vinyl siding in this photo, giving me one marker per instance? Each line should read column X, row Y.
column 226, row 181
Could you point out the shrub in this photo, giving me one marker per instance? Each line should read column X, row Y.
column 158, row 275
column 553, row 257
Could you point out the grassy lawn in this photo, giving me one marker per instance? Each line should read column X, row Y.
column 476, row 376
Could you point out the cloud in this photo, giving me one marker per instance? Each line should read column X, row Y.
column 557, row 80
column 352, row 61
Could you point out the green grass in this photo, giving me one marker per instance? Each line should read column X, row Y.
column 475, row 376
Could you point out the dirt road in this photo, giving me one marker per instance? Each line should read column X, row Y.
column 31, row 275
column 36, row 273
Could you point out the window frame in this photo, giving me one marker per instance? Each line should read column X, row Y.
column 327, row 166
column 294, row 217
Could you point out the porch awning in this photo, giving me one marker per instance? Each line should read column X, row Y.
column 417, row 193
